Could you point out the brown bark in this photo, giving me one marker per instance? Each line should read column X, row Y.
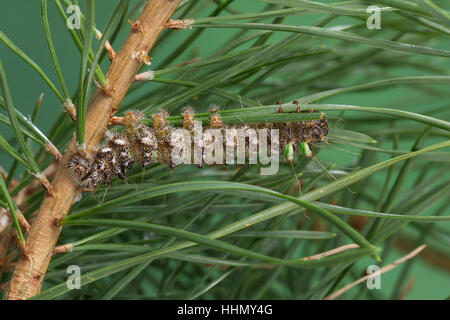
column 30, row 269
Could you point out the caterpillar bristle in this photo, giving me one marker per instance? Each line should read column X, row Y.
column 133, row 118
column 120, row 146
column 109, row 134
column 79, row 165
column 188, row 115
column 148, row 145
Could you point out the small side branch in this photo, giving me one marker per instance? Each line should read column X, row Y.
column 22, row 221
column 30, row 270
column 141, row 56
column 69, row 108
column 4, row 214
column 144, row 76
column 50, row 148
column 111, row 53
column 136, row 26
column 331, row 252
column 179, row 24
column 68, row 247
column 387, row 268
column 49, row 189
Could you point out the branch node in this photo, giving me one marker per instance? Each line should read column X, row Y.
column 144, row 76
column 68, row 247
column 23, row 222
column 50, row 147
column 57, row 222
column 45, row 184
column 69, row 108
column 111, row 53
column 141, row 56
column 117, row 121
column 182, row 24
column 107, row 89
column 136, row 26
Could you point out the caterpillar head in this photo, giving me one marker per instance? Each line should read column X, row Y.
column 89, row 172
column 79, row 166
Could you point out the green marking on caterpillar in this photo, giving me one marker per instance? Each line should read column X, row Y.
column 289, row 152
column 304, row 149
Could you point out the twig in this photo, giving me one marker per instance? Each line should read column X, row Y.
column 4, row 286
column 6, row 242
column 69, row 108
column 309, row 258
column 144, row 76
column 436, row 258
column 179, row 24
column 111, row 53
column 23, row 222
column 30, row 269
column 331, row 252
column 33, row 186
column 387, row 268
column 68, row 247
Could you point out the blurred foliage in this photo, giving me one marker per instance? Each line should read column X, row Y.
column 226, row 232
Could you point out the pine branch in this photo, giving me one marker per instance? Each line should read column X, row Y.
column 32, row 266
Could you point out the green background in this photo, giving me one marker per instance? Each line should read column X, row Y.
column 20, row 21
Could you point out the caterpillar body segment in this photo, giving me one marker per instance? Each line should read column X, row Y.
column 140, row 140
column 215, row 122
column 159, row 143
column 188, row 118
column 120, row 148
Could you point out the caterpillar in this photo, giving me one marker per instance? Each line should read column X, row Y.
column 158, row 144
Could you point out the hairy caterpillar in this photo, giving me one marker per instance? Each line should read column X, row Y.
column 148, row 145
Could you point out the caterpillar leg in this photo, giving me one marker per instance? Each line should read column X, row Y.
column 146, row 150
column 298, row 109
column 280, row 106
column 92, row 180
